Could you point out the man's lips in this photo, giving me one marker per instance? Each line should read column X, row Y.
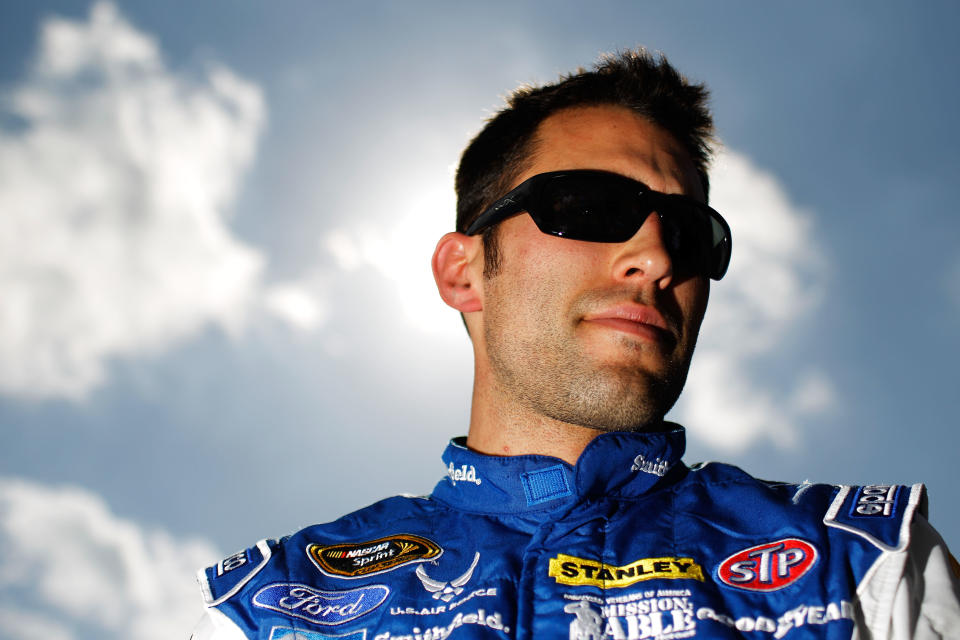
column 639, row 320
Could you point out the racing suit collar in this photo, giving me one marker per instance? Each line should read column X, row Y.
column 615, row 464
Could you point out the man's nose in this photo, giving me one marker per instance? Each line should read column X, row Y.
column 645, row 256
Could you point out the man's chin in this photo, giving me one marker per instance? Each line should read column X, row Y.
column 626, row 358
column 636, row 404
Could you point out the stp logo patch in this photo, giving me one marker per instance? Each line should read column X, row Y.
column 768, row 567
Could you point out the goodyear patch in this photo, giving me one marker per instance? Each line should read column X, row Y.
column 358, row 559
column 580, row 571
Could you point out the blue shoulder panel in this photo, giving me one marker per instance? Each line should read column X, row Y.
column 228, row 576
column 880, row 513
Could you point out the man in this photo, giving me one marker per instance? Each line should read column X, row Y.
column 581, row 264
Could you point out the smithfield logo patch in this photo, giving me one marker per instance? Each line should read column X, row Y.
column 463, row 473
column 359, row 559
column 579, row 571
column 655, row 467
column 320, row 607
column 768, row 567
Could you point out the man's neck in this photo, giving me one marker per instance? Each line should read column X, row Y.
column 499, row 426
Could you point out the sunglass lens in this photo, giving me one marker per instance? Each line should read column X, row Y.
column 605, row 208
column 703, row 245
column 683, row 235
column 580, row 208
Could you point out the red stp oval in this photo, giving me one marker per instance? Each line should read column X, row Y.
column 768, row 567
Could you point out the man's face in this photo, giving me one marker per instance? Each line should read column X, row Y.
column 594, row 334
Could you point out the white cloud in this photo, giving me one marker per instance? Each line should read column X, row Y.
column 69, row 562
column 115, row 193
column 776, row 279
column 31, row 626
column 298, row 304
column 812, row 394
column 400, row 247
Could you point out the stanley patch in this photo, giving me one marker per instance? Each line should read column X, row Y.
column 579, row 571
column 358, row 559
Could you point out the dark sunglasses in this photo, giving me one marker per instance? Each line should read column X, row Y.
column 598, row 206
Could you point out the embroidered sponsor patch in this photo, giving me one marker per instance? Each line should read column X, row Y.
column 230, row 563
column 655, row 467
column 354, row 560
column 288, row 633
column 804, row 614
column 649, row 614
column 320, row 607
column 580, row 571
column 443, row 590
column 478, row 618
column 486, row 592
column 768, row 567
column 463, row 473
column 875, row 500
column 228, row 576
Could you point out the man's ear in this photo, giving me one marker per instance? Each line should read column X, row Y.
column 456, row 270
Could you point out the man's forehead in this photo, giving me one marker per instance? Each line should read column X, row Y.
column 612, row 138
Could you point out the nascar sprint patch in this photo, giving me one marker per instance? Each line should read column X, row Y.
column 579, row 571
column 358, row 559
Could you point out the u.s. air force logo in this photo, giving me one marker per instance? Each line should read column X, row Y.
column 358, row 559
column 580, row 571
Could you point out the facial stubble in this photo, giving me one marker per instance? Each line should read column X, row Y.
column 539, row 362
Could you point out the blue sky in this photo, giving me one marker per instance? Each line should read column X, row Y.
column 217, row 321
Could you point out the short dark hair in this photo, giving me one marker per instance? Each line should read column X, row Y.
column 644, row 83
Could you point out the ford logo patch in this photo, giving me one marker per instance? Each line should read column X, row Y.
column 768, row 567
column 320, row 607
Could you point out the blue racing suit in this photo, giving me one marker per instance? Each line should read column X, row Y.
column 629, row 543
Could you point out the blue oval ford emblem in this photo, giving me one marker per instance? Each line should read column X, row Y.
column 320, row 607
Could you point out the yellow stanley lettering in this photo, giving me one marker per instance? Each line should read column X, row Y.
column 580, row 571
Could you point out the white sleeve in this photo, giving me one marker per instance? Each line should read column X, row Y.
column 216, row 626
column 926, row 603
